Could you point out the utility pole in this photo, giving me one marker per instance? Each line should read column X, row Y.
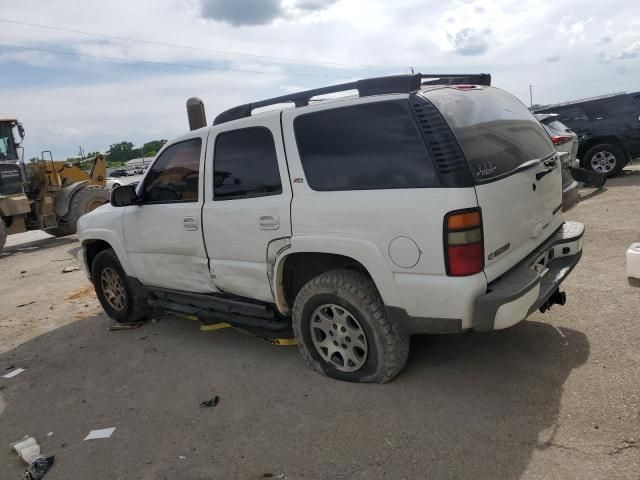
column 531, row 95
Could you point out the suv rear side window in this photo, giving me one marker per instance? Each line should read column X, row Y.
column 245, row 164
column 363, row 147
column 496, row 131
column 174, row 175
column 573, row 114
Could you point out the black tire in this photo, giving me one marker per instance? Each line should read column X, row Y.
column 3, row 234
column 355, row 292
column 609, row 153
column 134, row 304
column 83, row 201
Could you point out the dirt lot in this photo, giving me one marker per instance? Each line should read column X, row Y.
column 555, row 397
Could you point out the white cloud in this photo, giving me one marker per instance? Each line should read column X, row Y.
column 66, row 101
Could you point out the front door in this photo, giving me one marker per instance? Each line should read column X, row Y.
column 247, row 204
column 163, row 235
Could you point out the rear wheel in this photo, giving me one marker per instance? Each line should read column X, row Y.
column 606, row 159
column 341, row 329
column 84, row 201
column 120, row 299
column 3, row 234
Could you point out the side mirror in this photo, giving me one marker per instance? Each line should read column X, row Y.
column 124, row 196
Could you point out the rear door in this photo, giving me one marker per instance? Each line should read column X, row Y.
column 247, row 206
column 517, row 174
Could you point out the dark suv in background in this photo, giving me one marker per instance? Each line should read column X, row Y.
column 608, row 129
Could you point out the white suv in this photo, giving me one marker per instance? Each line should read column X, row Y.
column 416, row 206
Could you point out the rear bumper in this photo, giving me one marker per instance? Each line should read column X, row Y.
column 528, row 285
column 569, row 196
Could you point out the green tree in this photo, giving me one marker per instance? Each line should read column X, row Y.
column 537, row 106
column 152, row 153
column 153, row 146
column 121, row 152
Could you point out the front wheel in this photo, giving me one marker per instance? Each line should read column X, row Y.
column 606, row 159
column 120, row 299
column 341, row 329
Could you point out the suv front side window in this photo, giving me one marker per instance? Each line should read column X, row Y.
column 245, row 164
column 174, row 177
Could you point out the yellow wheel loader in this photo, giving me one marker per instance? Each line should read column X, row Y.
column 45, row 194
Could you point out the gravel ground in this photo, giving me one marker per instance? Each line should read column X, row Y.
column 555, row 397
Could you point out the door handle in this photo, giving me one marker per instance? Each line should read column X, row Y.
column 190, row 223
column 269, row 221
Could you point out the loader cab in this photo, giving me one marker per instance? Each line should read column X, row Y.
column 11, row 170
column 8, row 144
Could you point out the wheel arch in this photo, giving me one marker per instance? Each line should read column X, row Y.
column 584, row 147
column 311, row 256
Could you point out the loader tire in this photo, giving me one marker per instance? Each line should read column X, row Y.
column 83, row 201
column 3, row 234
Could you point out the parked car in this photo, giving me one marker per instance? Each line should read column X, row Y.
column 112, row 183
column 121, row 172
column 608, row 129
column 565, row 141
column 349, row 223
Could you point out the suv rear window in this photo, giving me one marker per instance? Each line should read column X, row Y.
column 496, row 131
column 363, row 147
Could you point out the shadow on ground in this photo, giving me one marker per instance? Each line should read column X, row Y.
column 467, row 406
column 626, row 178
column 37, row 245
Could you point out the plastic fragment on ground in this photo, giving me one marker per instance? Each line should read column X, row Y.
column 13, row 373
column 99, row 434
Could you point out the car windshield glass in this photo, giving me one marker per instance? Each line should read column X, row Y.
column 496, row 131
column 7, row 150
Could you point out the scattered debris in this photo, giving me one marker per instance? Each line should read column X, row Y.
column 388, row 442
column 25, row 304
column 29, row 451
column 102, row 433
column 39, row 468
column 49, row 434
column 181, row 457
column 3, row 387
column 15, row 372
column 211, row 403
column 124, row 326
column 23, row 272
column 70, row 269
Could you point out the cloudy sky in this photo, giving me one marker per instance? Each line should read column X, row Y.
column 72, row 89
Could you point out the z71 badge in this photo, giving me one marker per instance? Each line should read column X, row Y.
column 499, row 251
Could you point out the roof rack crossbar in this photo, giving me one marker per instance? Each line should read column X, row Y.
column 367, row 87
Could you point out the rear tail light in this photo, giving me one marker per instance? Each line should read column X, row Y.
column 561, row 139
column 463, row 242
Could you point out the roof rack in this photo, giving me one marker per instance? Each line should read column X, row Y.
column 370, row 86
column 582, row 100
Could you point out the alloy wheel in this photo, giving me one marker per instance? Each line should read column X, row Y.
column 113, row 288
column 338, row 337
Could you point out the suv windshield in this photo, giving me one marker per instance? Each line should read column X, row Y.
column 496, row 131
column 7, row 150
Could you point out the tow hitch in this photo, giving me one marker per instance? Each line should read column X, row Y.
column 556, row 298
